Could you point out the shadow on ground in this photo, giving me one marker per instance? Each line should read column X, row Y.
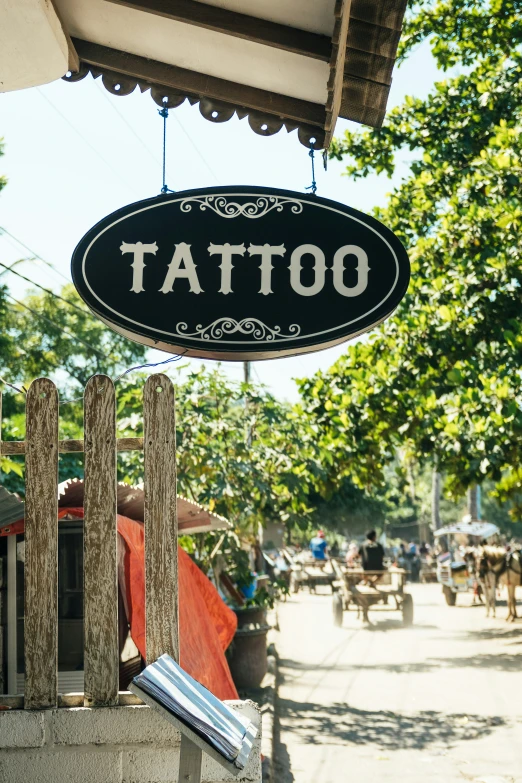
column 339, row 724
column 282, row 769
column 490, row 634
column 502, row 662
column 376, row 625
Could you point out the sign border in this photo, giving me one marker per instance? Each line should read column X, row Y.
column 239, row 349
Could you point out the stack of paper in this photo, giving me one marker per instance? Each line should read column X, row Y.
column 194, row 705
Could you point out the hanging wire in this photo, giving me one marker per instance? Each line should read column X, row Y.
column 164, row 112
column 175, row 358
column 42, row 288
column 35, row 255
column 313, row 186
column 23, row 390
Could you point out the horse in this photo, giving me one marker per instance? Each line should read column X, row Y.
column 498, row 567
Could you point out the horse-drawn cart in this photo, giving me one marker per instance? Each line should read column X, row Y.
column 364, row 589
column 452, row 569
column 305, row 571
column 428, row 570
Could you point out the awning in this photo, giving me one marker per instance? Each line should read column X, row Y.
column 476, row 529
column 11, row 507
column 298, row 64
column 192, row 518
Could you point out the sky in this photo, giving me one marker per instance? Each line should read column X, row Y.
column 74, row 153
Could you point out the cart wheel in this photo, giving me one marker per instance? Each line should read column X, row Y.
column 337, row 607
column 449, row 595
column 407, row 609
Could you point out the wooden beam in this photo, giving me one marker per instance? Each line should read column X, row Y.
column 161, row 529
column 12, row 620
column 385, row 13
column 372, row 38
column 41, row 547
column 250, row 28
column 335, row 84
column 74, row 60
column 190, row 760
column 11, row 447
column 68, row 700
column 200, row 85
column 100, row 557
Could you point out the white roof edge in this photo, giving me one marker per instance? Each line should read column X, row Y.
column 33, row 46
column 478, row 529
column 217, row 522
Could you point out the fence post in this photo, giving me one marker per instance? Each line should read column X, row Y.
column 101, row 657
column 41, row 546
column 161, row 525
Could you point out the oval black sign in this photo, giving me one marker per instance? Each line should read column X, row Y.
column 240, row 272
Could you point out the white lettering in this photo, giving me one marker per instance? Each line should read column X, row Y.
column 226, row 251
column 362, row 270
column 319, row 270
column 182, row 266
column 266, row 252
column 138, row 264
column 182, row 254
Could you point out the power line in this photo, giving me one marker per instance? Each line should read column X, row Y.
column 47, row 290
column 19, row 261
column 53, row 323
column 149, row 151
column 87, row 142
column 36, row 255
column 198, row 152
column 102, row 90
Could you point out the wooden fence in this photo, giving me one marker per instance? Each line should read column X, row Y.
column 41, row 448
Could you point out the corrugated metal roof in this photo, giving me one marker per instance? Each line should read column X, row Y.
column 192, row 518
column 11, row 507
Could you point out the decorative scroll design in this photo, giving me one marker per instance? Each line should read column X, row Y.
column 250, row 209
column 252, row 327
column 215, row 111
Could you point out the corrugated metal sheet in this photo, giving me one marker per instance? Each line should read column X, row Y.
column 192, row 518
column 374, row 31
column 11, row 507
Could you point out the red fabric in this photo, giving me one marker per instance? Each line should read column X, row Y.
column 10, row 530
column 206, row 624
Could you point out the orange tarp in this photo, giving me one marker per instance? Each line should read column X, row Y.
column 206, row 624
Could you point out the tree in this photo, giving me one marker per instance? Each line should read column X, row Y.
column 441, row 379
column 60, row 335
column 250, row 462
column 54, row 336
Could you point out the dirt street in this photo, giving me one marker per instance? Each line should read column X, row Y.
column 441, row 701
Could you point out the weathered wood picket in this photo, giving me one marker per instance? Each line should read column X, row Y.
column 41, row 448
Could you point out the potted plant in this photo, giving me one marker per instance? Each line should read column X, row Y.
column 246, row 655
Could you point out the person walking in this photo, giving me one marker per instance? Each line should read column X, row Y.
column 318, row 546
column 372, row 553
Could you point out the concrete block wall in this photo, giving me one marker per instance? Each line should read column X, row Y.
column 104, row 745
